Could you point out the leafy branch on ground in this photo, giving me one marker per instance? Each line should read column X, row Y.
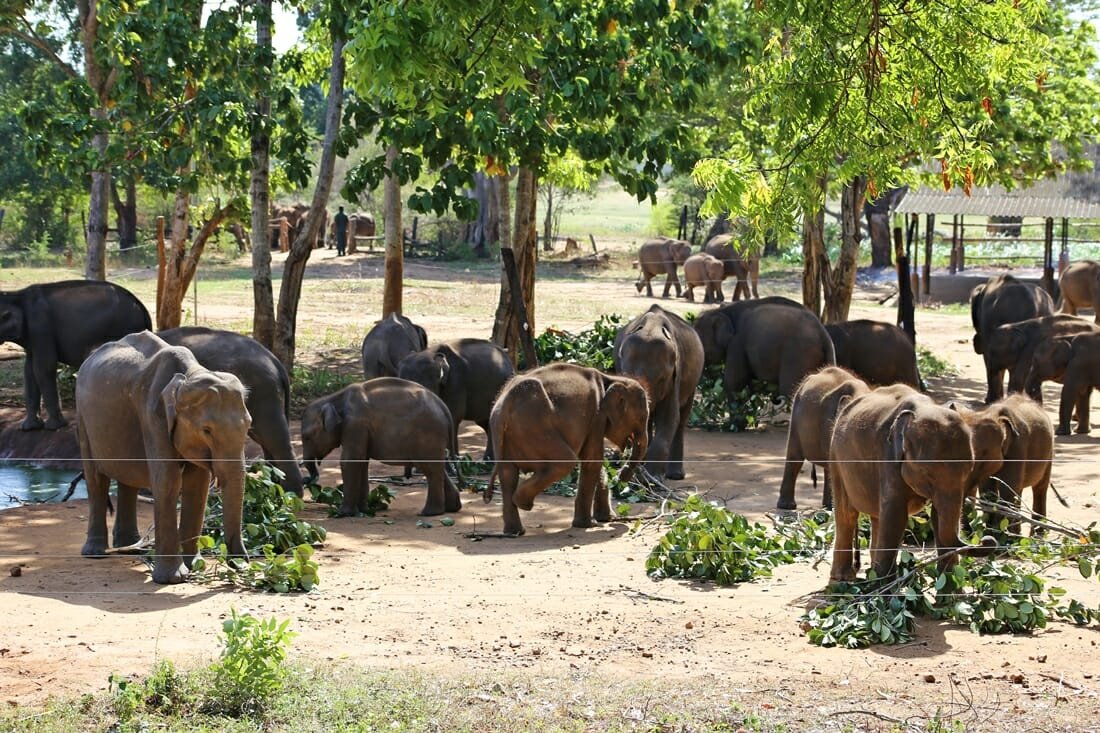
column 930, row 365
column 379, row 497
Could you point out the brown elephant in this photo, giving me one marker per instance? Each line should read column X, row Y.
column 388, row 342
column 661, row 256
column 1075, row 362
column 1080, row 285
column 387, row 419
column 360, row 224
column 549, row 419
column 1011, row 346
column 1003, row 299
column 663, row 352
column 290, row 213
column 813, row 411
column 745, row 266
column 1013, row 449
column 149, row 415
column 892, row 451
column 880, row 353
column 708, row 271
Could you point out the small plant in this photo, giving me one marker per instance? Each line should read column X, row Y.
column 310, row 383
column 930, row 365
column 378, row 498
column 252, row 665
column 165, row 691
column 753, row 405
column 592, row 347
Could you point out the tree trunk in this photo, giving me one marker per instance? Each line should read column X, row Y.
column 841, row 282
column 524, row 242
column 263, row 299
column 486, row 228
column 101, row 81
column 126, row 213
column 181, row 262
column 548, row 224
column 294, row 270
column 815, row 264
column 395, row 240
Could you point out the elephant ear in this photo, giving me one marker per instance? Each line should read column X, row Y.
column 1010, row 432
column 897, row 434
column 444, row 367
column 423, row 336
column 169, row 396
column 331, row 419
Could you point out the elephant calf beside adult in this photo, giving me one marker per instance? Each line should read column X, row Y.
column 63, row 322
column 150, row 415
column 1011, row 346
column 661, row 256
column 265, row 379
column 662, row 351
column 1003, row 299
column 708, row 271
column 1075, row 362
column 743, row 266
column 880, row 353
column 772, row 339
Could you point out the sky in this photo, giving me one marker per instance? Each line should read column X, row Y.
column 285, row 23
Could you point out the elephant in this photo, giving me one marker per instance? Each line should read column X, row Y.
column 774, row 339
column 813, row 411
column 1003, row 299
column 1075, row 362
column 359, row 225
column 1080, row 284
column 661, row 256
column 387, row 419
column 265, row 378
column 388, row 342
column 1011, row 346
column 880, row 353
column 745, row 266
column 708, row 271
column 150, row 415
column 1013, row 449
column 292, row 214
column 552, row 417
column 468, row 374
column 662, row 352
column 892, row 450
column 63, row 322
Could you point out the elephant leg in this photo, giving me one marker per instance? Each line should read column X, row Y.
column 995, row 379
column 1083, row 422
column 436, row 501
column 95, row 544
column 452, row 499
column 886, row 536
column 554, row 469
column 273, row 435
column 32, row 396
column 1065, row 409
column 508, row 475
column 593, row 500
column 826, row 487
column 1039, row 499
column 791, row 468
column 168, row 566
column 44, row 366
column 946, row 517
column 669, row 278
column 719, row 296
column 641, row 280
column 844, row 547
column 126, row 527
column 488, row 455
column 355, row 475
column 648, row 285
column 193, row 491
column 675, row 468
column 689, row 295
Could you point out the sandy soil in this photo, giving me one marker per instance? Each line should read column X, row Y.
column 561, row 601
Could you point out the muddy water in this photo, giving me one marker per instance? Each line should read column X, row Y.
column 21, row 483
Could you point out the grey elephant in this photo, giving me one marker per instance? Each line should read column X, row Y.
column 892, row 451
column 745, row 266
column 662, row 351
column 1011, row 346
column 1013, row 450
column 149, row 415
column 387, row 419
column 1003, row 299
column 267, row 383
column 62, row 323
column 772, row 339
column 708, row 271
column 1080, row 285
column 549, row 419
column 813, row 411
column 661, row 256
column 1075, row 362
column 388, row 342
column 468, row 374
column 880, row 353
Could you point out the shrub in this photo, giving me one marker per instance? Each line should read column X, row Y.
column 252, row 665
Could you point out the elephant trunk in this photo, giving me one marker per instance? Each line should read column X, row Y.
column 229, row 473
column 637, row 443
column 313, row 468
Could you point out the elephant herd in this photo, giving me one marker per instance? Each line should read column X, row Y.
column 718, row 260
column 168, row 411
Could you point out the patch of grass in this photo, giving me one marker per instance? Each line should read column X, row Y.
column 308, row 383
column 930, row 365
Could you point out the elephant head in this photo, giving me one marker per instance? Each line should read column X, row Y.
column 934, row 449
column 716, row 332
column 1004, row 345
column 678, row 251
column 208, row 424
column 1049, row 361
column 624, row 408
column 993, row 436
column 322, row 432
column 430, row 370
column 12, row 321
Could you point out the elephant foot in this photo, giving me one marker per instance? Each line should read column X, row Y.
column 583, row 522
column 1082, row 430
column 786, row 504
column 843, row 575
column 1061, row 430
column 432, row 511
column 523, row 500
column 344, row 511
column 31, row 422
column 601, row 517
column 94, row 548
column 124, row 539
column 56, row 423
column 675, row 474
column 170, row 573
column 514, row 531
column 453, row 504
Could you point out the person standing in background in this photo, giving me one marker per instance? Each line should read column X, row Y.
column 340, row 221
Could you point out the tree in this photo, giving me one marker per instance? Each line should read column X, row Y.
column 263, row 303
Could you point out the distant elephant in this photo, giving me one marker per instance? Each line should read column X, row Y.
column 1075, row 362
column 880, row 353
column 265, row 378
column 813, row 411
column 1013, row 449
column 1080, row 284
column 1011, row 346
column 662, row 351
column 661, row 256
column 1003, row 299
column 292, row 214
column 892, row 451
column 552, row 417
column 150, row 415
column 703, row 269
column 468, row 374
column 63, row 322
column 773, row 339
column 745, row 266
column 359, row 225
column 388, row 342
column 387, row 419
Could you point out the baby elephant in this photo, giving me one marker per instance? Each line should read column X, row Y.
column 708, row 271
column 390, row 420
column 1075, row 362
column 547, row 420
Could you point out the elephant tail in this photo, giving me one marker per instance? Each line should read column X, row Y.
column 1057, row 495
column 490, row 486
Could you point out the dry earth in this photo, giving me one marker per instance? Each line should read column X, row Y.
column 560, row 602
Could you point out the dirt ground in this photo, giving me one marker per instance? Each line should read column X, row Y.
column 562, row 602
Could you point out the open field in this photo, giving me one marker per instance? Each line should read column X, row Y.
column 562, row 627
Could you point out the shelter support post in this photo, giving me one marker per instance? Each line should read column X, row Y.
column 1048, row 256
column 930, row 223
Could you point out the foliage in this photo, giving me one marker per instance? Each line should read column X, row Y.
column 292, row 570
column 378, row 498
column 252, row 667
column 750, row 406
column 165, row 690
column 930, row 365
column 311, row 383
column 592, row 347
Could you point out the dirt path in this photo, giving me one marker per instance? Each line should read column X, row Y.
column 559, row 601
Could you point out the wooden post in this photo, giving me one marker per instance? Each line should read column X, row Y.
column 593, row 241
column 526, row 339
column 962, row 242
column 1063, row 256
column 930, row 224
column 161, row 263
column 1048, row 256
column 906, row 311
column 954, row 266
